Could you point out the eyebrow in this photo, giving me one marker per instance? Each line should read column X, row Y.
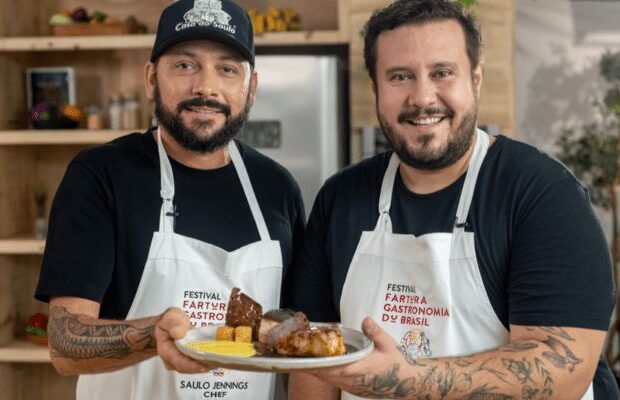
column 223, row 57
column 439, row 64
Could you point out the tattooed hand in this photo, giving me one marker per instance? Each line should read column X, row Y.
column 361, row 378
column 82, row 343
column 172, row 326
column 540, row 363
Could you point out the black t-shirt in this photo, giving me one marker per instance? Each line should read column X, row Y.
column 108, row 206
column 537, row 239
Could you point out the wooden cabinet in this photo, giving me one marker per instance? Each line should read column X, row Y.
column 34, row 159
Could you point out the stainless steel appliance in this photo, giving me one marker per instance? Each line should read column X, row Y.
column 297, row 118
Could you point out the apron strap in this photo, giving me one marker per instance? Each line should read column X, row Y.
column 467, row 194
column 167, row 213
column 384, row 223
column 247, row 189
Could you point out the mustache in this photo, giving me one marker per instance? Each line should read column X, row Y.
column 414, row 113
column 200, row 102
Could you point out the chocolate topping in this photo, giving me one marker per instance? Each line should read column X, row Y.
column 243, row 311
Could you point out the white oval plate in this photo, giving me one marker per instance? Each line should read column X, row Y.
column 358, row 347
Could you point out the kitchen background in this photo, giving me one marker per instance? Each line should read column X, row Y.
column 314, row 113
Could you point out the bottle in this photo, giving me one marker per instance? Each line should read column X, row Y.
column 115, row 112
column 131, row 113
column 40, row 223
column 94, row 119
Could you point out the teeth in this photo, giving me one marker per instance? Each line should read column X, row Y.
column 426, row 121
column 204, row 110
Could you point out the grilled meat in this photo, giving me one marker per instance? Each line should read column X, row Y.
column 312, row 342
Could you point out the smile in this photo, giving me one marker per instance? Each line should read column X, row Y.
column 204, row 110
column 425, row 121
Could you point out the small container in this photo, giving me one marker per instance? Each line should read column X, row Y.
column 131, row 113
column 115, row 112
column 94, row 118
column 40, row 223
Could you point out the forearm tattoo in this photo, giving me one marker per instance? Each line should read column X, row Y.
column 487, row 376
column 74, row 339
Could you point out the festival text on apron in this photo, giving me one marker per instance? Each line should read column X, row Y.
column 426, row 291
column 198, row 277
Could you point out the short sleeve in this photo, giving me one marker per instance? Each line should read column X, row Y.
column 560, row 269
column 79, row 252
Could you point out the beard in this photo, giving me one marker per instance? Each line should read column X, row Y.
column 457, row 144
column 188, row 136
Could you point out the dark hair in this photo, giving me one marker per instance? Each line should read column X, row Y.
column 405, row 12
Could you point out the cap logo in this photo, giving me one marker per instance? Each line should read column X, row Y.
column 207, row 13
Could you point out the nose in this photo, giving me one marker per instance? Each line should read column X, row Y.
column 422, row 93
column 206, row 84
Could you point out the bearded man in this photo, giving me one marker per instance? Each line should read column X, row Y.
column 486, row 246
column 149, row 233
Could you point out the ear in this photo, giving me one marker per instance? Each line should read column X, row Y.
column 252, row 87
column 150, row 80
column 477, row 77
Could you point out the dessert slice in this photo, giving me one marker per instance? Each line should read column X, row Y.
column 243, row 311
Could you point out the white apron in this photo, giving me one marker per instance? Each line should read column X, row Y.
column 426, row 291
column 198, row 277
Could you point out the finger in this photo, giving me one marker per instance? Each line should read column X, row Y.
column 381, row 338
column 175, row 323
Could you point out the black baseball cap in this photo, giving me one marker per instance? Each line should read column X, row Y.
column 221, row 21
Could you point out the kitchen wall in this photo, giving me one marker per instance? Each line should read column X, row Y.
column 558, row 44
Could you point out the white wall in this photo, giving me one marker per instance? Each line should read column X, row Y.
column 558, row 46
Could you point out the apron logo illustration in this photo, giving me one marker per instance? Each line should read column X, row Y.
column 219, row 372
column 207, row 13
column 415, row 344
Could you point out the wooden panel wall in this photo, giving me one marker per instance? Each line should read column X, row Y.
column 48, row 386
column 497, row 102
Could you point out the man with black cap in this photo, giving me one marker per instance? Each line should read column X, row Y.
column 175, row 217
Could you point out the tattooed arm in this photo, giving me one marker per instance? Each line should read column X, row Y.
column 81, row 343
column 538, row 363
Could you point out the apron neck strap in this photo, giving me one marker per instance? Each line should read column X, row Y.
column 384, row 222
column 168, row 209
column 467, row 194
column 167, row 214
column 247, row 189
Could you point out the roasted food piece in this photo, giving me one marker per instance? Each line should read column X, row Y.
column 243, row 311
column 243, row 334
column 279, row 323
column 225, row 333
column 312, row 342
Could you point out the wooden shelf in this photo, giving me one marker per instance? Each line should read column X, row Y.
column 145, row 41
column 21, row 246
column 23, row 351
column 59, row 137
column 301, row 38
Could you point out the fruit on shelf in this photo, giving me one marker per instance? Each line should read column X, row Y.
column 98, row 16
column 36, row 328
column 60, row 19
column 80, row 15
